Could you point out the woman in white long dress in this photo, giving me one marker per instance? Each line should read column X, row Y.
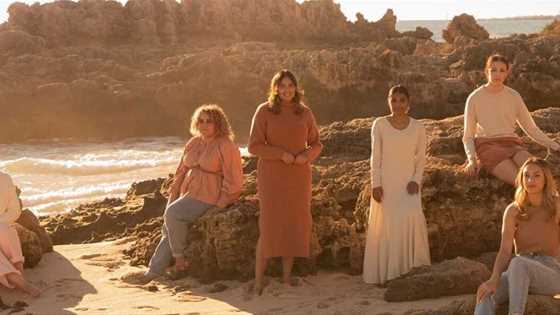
column 397, row 237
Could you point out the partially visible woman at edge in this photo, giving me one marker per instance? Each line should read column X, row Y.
column 209, row 176
column 531, row 225
column 11, row 256
column 491, row 113
column 285, row 138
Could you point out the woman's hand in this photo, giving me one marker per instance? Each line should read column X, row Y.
column 472, row 168
column 301, row 159
column 487, row 288
column 19, row 266
column 412, row 187
column 288, row 158
column 377, row 193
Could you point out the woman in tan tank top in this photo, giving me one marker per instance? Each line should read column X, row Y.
column 531, row 226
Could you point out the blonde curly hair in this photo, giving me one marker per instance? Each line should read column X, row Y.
column 218, row 117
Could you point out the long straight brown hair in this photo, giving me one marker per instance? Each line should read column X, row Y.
column 274, row 98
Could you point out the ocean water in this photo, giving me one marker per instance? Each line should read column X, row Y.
column 496, row 28
column 56, row 176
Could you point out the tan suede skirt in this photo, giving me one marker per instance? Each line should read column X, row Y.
column 492, row 151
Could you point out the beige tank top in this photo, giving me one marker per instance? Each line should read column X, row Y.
column 539, row 234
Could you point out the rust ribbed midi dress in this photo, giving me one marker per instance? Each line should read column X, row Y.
column 284, row 190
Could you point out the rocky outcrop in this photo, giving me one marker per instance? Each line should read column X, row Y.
column 463, row 29
column 553, row 28
column 30, row 222
column 82, row 69
column 420, row 33
column 536, row 305
column 451, row 277
column 30, row 246
column 34, row 239
column 18, row 42
column 463, row 214
column 154, row 22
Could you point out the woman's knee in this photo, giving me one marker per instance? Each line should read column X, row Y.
column 171, row 212
column 518, row 265
column 521, row 157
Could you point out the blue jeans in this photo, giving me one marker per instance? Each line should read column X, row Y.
column 534, row 273
column 178, row 215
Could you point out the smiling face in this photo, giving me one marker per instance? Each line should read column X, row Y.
column 398, row 104
column 497, row 73
column 286, row 90
column 533, row 179
column 206, row 126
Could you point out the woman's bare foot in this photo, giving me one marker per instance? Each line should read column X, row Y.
column 259, row 285
column 31, row 290
column 17, row 281
column 138, row 277
column 292, row 281
column 180, row 264
column 258, row 288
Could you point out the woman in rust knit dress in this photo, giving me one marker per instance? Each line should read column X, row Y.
column 285, row 137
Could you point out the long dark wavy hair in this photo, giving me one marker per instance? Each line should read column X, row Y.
column 274, row 98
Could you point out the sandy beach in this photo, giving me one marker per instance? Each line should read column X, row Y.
column 85, row 279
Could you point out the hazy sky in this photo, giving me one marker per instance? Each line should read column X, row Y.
column 421, row 9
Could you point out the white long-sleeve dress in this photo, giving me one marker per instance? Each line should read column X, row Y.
column 397, row 237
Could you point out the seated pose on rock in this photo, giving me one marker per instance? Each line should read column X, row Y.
column 11, row 257
column 209, row 175
column 531, row 224
column 491, row 113
column 397, row 237
column 285, row 138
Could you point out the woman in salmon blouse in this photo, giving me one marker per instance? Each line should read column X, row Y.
column 209, row 176
column 285, row 138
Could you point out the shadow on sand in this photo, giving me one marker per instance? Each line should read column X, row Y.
column 58, row 293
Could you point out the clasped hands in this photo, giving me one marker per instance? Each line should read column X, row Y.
column 377, row 192
column 299, row 159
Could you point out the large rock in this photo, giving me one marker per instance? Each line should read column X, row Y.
column 464, row 27
column 154, row 22
column 420, row 33
column 553, row 28
column 19, row 42
column 95, row 70
column 107, row 219
column 31, row 246
column 451, row 277
column 29, row 221
column 536, row 305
